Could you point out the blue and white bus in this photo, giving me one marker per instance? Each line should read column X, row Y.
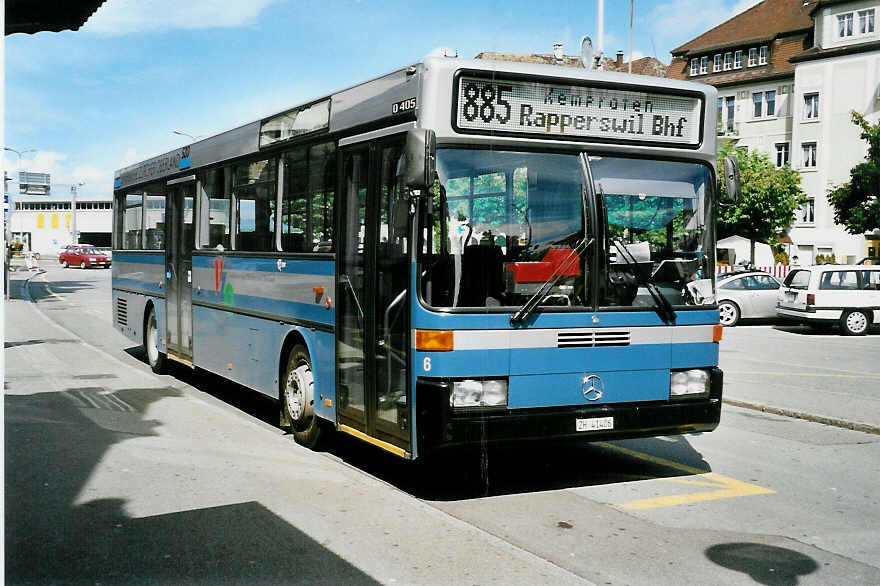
column 458, row 253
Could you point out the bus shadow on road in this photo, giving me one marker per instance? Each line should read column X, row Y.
column 476, row 473
column 462, row 475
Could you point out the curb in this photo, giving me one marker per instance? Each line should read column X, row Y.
column 842, row 423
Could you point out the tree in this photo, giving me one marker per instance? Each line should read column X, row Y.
column 768, row 200
column 856, row 205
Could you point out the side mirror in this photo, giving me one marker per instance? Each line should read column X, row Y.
column 418, row 163
column 731, row 179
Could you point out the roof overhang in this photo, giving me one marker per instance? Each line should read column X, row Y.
column 33, row 16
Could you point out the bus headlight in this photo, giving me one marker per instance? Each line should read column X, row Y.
column 478, row 393
column 689, row 383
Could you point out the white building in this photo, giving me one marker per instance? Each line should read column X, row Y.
column 788, row 73
column 44, row 223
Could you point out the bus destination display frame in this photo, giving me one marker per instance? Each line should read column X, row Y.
column 637, row 116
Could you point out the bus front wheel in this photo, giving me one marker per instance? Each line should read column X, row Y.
column 298, row 398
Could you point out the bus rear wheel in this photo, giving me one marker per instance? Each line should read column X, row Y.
column 151, row 343
column 298, row 398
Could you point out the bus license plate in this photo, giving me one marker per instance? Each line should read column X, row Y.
column 594, row 424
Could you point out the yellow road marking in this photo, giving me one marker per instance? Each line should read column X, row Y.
column 725, row 487
column 820, row 374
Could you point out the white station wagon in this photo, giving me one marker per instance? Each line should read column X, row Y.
column 848, row 295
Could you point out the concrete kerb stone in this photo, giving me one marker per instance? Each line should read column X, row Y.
column 842, row 423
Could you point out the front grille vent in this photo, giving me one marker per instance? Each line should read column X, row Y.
column 592, row 339
column 121, row 311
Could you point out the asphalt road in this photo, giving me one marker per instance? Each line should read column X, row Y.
column 116, row 475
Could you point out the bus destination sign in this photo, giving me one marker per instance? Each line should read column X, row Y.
column 581, row 111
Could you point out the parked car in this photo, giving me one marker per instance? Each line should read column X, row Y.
column 847, row 295
column 746, row 295
column 83, row 257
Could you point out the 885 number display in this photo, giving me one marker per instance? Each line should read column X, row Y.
column 486, row 102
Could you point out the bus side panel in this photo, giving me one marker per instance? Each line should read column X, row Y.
column 245, row 307
column 128, row 314
column 138, row 277
column 141, row 272
column 239, row 347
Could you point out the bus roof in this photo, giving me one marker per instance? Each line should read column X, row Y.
column 386, row 100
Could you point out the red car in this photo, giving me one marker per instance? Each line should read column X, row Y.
column 84, row 257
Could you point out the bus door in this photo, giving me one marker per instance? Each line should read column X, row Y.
column 372, row 292
column 179, row 241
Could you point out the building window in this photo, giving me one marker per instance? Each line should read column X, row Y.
column 866, row 21
column 753, row 57
column 716, row 65
column 782, row 154
column 704, row 64
column 728, row 61
column 811, row 106
column 845, row 24
column 807, row 213
column 809, row 155
column 695, row 66
column 762, row 55
column 764, row 104
column 738, row 59
column 731, row 109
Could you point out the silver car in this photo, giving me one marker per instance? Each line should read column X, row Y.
column 747, row 295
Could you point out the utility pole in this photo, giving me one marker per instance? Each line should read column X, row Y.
column 73, row 189
column 7, row 257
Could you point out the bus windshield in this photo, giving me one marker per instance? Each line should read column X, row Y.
column 501, row 225
column 505, row 226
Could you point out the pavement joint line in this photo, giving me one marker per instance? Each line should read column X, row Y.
column 795, row 414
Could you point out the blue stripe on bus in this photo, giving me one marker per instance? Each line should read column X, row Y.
column 150, row 258
column 555, row 360
column 550, row 390
column 268, row 265
column 694, row 355
column 141, row 285
column 425, row 319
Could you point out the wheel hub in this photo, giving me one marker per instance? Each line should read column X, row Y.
column 298, row 392
column 856, row 322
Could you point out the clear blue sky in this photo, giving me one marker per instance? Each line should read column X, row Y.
column 111, row 93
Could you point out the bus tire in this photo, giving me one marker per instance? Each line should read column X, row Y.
column 855, row 322
column 155, row 358
column 298, row 398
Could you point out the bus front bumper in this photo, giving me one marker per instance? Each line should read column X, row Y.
column 508, row 426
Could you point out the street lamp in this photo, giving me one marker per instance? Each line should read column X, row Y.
column 191, row 137
column 73, row 189
column 8, row 231
column 12, row 200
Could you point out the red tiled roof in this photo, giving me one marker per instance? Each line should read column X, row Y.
column 764, row 21
column 643, row 66
column 778, row 65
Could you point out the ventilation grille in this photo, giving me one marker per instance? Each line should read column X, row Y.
column 121, row 311
column 592, row 339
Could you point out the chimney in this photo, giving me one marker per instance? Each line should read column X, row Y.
column 619, row 59
column 557, row 51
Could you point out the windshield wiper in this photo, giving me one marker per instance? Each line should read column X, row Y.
column 529, row 306
column 661, row 304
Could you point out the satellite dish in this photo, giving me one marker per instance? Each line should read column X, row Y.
column 587, row 52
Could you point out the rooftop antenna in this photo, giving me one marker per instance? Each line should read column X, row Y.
column 600, row 37
column 632, row 8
